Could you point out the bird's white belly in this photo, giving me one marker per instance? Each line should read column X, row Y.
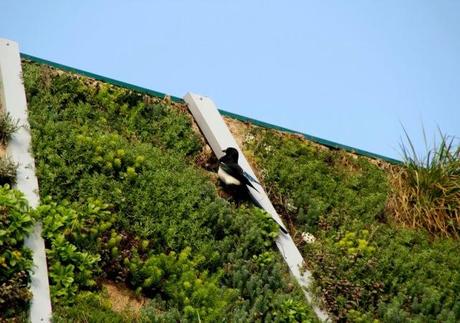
column 226, row 178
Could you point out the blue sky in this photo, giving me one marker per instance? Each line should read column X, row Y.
column 346, row 71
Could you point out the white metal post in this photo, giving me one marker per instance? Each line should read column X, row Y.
column 14, row 102
column 219, row 138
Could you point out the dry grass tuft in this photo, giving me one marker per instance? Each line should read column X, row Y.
column 426, row 192
column 123, row 300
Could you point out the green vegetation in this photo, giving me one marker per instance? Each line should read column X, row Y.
column 318, row 190
column 7, row 168
column 365, row 267
column 16, row 223
column 7, row 127
column 89, row 307
column 126, row 203
column 427, row 190
column 7, row 171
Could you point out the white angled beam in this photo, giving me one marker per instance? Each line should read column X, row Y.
column 19, row 147
column 219, row 138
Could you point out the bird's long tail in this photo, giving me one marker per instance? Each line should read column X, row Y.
column 250, row 184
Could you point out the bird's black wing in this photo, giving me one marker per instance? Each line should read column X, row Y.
column 236, row 171
column 225, row 159
column 248, row 176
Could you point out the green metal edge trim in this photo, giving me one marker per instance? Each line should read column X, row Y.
column 99, row 77
column 143, row 90
column 324, row 142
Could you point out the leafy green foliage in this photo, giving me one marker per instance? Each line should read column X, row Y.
column 164, row 230
column 364, row 269
column 67, row 233
column 16, row 223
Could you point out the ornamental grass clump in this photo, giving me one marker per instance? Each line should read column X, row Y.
column 7, row 167
column 427, row 190
column 7, row 127
column 7, row 171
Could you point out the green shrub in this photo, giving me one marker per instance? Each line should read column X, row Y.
column 179, row 279
column 71, row 239
column 16, row 222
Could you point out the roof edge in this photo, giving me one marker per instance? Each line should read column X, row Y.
column 324, row 142
column 100, row 78
column 321, row 141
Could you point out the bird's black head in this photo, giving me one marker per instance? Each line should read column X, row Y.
column 231, row 154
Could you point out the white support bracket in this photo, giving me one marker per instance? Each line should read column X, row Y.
column 219, row 138
column 14, row 102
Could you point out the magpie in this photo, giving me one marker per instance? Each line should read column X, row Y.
column 231, row 173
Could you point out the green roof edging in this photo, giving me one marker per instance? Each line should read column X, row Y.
column 99, row 77
column 140, row 89
column 324, row 142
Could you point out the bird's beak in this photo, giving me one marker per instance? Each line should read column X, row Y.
column 224, row 151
